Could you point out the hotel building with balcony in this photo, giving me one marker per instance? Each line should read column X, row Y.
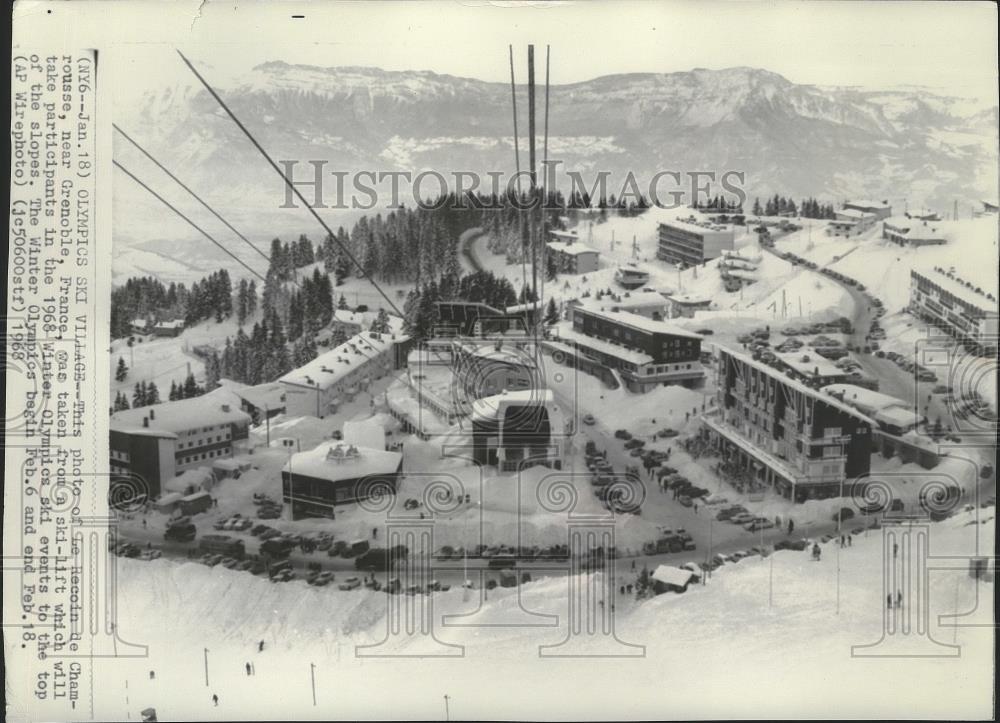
column 961, row 309
column 783, row 435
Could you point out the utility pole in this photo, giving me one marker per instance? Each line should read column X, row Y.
column 312, row 678
column 206, row 667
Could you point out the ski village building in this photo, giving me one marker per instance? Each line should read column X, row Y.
column 686, row 305
column 851, row 222
column 912, row 231
column 570, row 255
column 639, row 352
column 476, row 319
column 337, row 473
column 963, row 310
column 513, row 429
column 336, row 376
column 692, row 242
column 159, row 442
column 774, row 431
column 879, row 209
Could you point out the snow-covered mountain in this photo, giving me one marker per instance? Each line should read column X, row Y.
column 788, row 138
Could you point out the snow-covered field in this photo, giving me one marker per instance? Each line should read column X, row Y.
column 765, row 638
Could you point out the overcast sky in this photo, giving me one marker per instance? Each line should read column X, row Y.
column 946, row 46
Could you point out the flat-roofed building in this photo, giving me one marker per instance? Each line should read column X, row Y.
column 572, row 256
column 515, row 429
column 690, row 241
column 687, row 305
column 162, row 441
column 913, row 232
column 958, row 307
column 314, row 482
column 644, row 352
column 880, row 209
column 851, row 222
column 773, row 431
column 892, row 415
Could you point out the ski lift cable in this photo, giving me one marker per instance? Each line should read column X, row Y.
column 289, row 183
column 198, row 228
column 180, row 183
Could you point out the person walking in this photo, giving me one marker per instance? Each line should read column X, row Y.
column 888, row 601
column 895, row 550
column 260, row 646
column 248, row 668
column 849, row 538
column 791, row 526
column 899, row 598
column 215, row 699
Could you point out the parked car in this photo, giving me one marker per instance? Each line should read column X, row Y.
column 667, row 432
column 589, row 420
column 350, row 583
column 323, row 578
column 623, row 434
column 283, row 575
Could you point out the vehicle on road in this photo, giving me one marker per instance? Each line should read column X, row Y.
column 351, row 583
column 181, row 533
column 322, row 579
column 225, row 545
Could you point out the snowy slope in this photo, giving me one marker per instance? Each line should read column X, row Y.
column 763, row 639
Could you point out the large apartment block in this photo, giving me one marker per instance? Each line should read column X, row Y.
column 965, row 311
column 644, row 352
column 162, row 441
column 781, row 434
column 690, row 242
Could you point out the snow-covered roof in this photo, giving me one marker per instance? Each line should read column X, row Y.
column 573, row 249
column 564, row 234
column 914, row 228
column 190, row 478
column 141, row 323
column 695, row 225
column 863, row 203
column 629, row 300
column 669, row 575
column 689, row 299
column 330, row 367
column 638, row 358
column 794, row 383
column 270, row 395
column 489, row 408
column 881, row 407
column 640, row 323
column 518, row 308
column 339, row 461
column 954, row 285
column 865, row 399
column 855, row 214
column 365, row 433
column 169, row 499
column 632, row 270
column 174, row 324
column 898, row 416
column 179, row 416
column 813, row 365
